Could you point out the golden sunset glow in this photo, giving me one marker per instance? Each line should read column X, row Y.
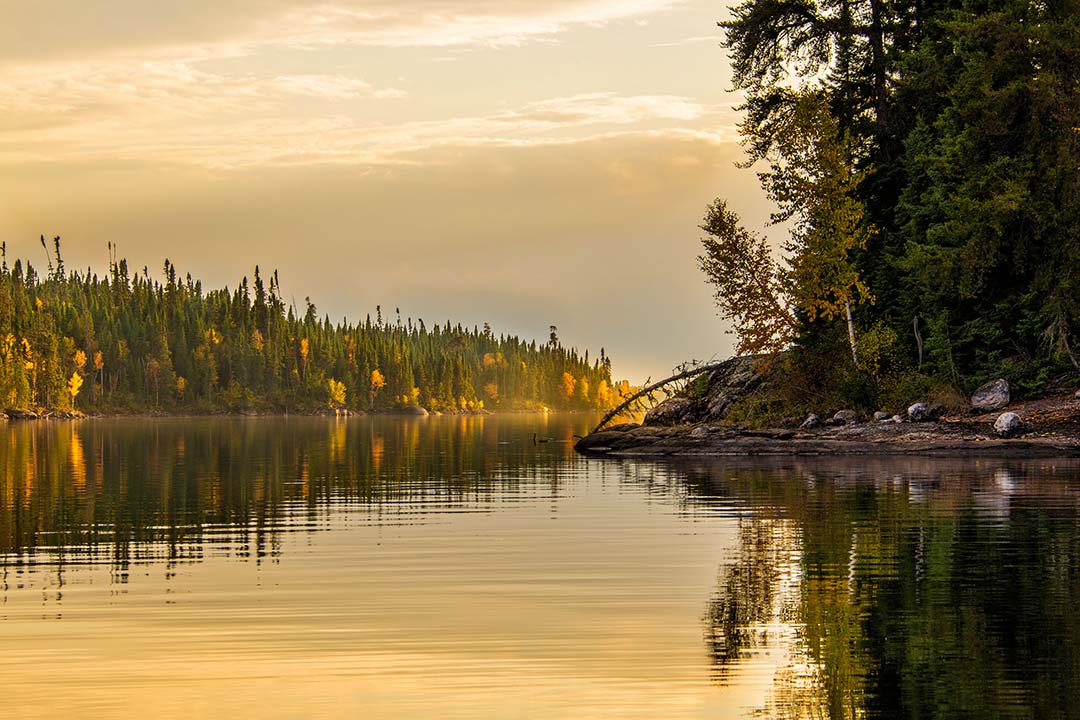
column 521, row 163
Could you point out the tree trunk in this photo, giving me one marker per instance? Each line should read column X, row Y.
column 649, row 389
column 851, row 332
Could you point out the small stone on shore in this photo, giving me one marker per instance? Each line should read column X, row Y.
column 1008, row 424
column 812, row 421
column 918, row 412
column 879, row 416
column 845, row 417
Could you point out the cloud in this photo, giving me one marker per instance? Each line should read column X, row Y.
column 177, row 113
column 46, row 29
column 696, row 40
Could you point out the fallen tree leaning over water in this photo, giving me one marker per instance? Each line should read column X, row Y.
column 647, row 391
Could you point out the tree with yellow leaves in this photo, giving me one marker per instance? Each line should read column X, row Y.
column 378, row 382
column 814, row 180
column 335, row 393
column 568, row 385
column 74, row 384
column 305, row 348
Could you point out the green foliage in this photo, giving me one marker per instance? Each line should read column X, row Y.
column 877, row 350
column 172, row 346
column 961, row 123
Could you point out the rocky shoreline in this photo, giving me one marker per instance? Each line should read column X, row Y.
column 934, row 439
column 696, row 424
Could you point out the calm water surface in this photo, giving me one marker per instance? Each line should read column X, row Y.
column 453, row 568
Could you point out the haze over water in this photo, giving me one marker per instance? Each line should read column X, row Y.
column 453, row 567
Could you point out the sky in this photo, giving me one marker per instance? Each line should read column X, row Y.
column 524, row 163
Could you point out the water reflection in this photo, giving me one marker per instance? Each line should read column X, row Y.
column 143, row 490
column 451, row 567
column 904, row 588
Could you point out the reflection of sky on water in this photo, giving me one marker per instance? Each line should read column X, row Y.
column 450, row 566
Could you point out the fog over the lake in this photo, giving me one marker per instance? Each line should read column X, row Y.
column 522, row 163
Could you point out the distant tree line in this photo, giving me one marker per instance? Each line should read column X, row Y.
column 924, row 158
column 128, row 342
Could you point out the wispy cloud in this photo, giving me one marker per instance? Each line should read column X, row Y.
column 31, row 33
column 695, row 40
column 220, row 131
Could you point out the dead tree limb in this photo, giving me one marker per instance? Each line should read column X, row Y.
column 650, row 389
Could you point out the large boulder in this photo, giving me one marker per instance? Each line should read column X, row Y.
column 739, row 377
column 708, row 399
column 991, row 396
column 918, row 412
column 812, row 421
column 1008, row 424
column 670, row 412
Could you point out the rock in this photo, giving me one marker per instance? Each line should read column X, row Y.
column 812, row 421
column 897, row 419
column 414, row 410
column 1008, row 424
column 879, row 416
column 845, row 417
column 738, row 378
column 918, row 412
column 991, row 396
column 1077, row 395
column 670, row 412
column 701, row 431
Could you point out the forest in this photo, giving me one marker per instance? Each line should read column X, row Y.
column 73, row 341
column 923, row 159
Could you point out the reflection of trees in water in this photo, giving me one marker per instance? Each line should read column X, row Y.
column 950, row 591
column 123, row 492
column 754, row 591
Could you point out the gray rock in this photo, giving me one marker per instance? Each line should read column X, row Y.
column 1008, row 424
column 918, row 412
column 739, row 377
column 414, row 410
column 699, row 432
column 812, row 421
column 845, row 417
column 991, row 396
column 879, row 416
column 670, row 412
column 897, row 418
column 1077, row 395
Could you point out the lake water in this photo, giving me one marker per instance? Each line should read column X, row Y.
column 452, row 567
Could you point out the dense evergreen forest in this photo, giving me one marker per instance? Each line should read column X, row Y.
column 924, row 158
column 132, row 343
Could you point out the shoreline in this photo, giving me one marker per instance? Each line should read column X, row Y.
column 944, row 438
column 19, row 416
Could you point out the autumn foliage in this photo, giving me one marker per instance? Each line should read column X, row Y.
column 165, row 343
